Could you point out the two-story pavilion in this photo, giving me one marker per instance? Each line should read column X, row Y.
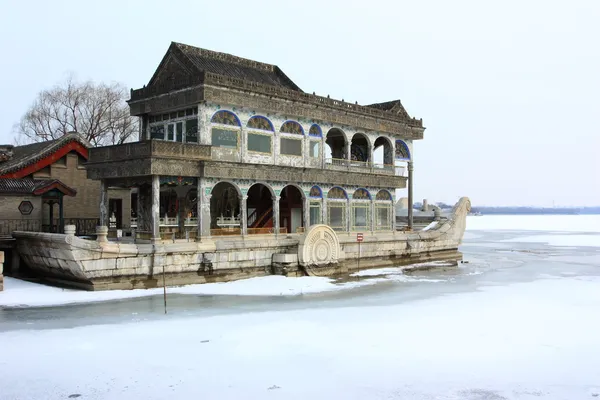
column 231, row 146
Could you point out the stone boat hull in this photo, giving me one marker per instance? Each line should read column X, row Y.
column 93, row 265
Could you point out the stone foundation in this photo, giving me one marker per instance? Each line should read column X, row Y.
column 101, row 265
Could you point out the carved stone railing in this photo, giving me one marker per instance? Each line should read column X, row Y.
column 147, row 149
column 209, row 78
column 359, row 166
column 289, row 94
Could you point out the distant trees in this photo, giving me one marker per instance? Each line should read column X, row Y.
column 97, row 111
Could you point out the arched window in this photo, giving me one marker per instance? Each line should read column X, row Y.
column 315, row 205
column 315, row 130
column 315, row 135
column 225, row 129
column 383, row 211
column 259, row 122
column 361, row 210
column 292, row 127
column 336, row 209
column 225, row 117
column 260, row 142
column 291, row 146
column 402, row 152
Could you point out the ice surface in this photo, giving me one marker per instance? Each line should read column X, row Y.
column 20, row 293
column 535, row 340
column 560, row 240
column 557, row 223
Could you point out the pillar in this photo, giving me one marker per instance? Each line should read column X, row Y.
column 103, row 203
column 244, row 214
column 348, row 215
column 199, row 203
column 61, row 214
column 306, row 212
column 204, row 219
column 410, row 195
column 324, row 210
column 372, row 206
column 276, row 214
column 393, row 212
column 51, row 204
column 154, row 217
column 349, row 152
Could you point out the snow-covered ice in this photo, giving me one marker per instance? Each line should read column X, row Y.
column 554, row 223
column 20, row 293
column 560, row 240
column 522, row 341
column 509, row 325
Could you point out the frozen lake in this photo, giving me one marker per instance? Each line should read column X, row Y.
column 520, row 320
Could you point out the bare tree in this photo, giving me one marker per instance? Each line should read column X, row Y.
column 96, row 111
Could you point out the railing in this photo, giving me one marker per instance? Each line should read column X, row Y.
column 400, row 171
column 225, row 222
column 366, row 166
column 8, row 226
column 149, row 148
column 336, row 162
column 265, row 231
column 83, row 226
column 168, row 221
column 226, row 232
column 190, row 221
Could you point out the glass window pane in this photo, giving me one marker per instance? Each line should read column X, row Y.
column 180, row 131
column 382, row 221
column 224, row 138
column 291, row 147
column 157, row 132
column 191, row 130
column 315, row 213
column 337, row 216
column 314, row 149
column 260, row 143
column 170, row 132
column 360, row 216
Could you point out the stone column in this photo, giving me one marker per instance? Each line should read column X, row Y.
column 204, row 218
column 103, row 203
column 276, row 214
column 349, row 152
column 348, row 215
column 199, row 201
column 154, row 217
column 324, row 211
column 410, row 195
column 393, row 212
column 306, row 212
column 372, row 210
column 244, row 214
column 61, row 214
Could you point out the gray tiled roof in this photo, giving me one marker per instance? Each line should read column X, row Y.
column 232, row 66
column 394, row 106
column 25, row 155
column 31, row 186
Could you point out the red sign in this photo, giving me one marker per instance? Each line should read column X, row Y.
column 359, row 237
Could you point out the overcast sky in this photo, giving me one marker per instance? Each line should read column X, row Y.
column 509, row 92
